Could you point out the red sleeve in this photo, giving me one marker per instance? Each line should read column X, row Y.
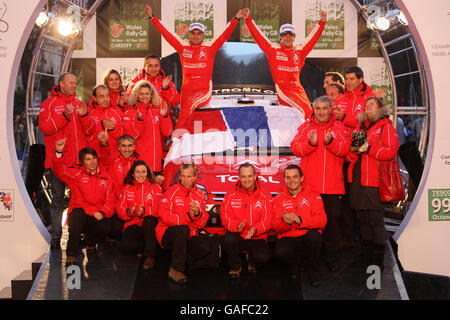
column 166, row 211
column 314, row 217
column 122, row 204
column 173, row 40
column 110, row 200
column 300, row 144
column 278, row 224
column 265, row 224
column 50, row 123
column 69, row 175
column 171, row 95
column 218, row 42
column 131, row 124
column 387, row 149
column 117, row 132
column 166, row 125
column 228, row 222
column 340, row 145
column 313, row 37
column 258, row 36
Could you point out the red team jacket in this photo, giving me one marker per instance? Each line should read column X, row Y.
column 356, row 103
column 98, row 114
column 148, row 132
column 385, row 150
column 170, row 94
column 92, row 192
column 307, row 204
column 144, row 194
column 55, row 126
column 253, row 206
column 322, row 164
column 286, row 64
column 174, row 210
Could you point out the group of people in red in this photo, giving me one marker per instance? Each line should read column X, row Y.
column 109, row 153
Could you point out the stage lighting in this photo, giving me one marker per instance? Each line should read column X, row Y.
column 382, row 23
column 402, row 19
column 65, row 26
column 42, row 19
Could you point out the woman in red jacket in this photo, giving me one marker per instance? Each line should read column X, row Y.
column 381, row 145
column 146, row 120
column 117, row 92
column 138, row 206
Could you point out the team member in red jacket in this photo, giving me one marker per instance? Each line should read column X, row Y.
column 105, row 117
column 61, row 116
column 197, row 61
column 182, row 213
column 287, row 60
column 357, row 91
column 322, row 144
column 299, row 218
column 146, row 120
column 381, row 145
column 163, row 84
column 138, row 205
column 117, row 93
column 92, row 199
column 246, row 214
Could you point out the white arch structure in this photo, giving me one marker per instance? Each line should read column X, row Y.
column 423, row 244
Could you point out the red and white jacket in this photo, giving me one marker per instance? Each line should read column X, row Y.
column 174, row 210
column 148, row 132
column 287, row 62
column 322, row 164
column 379, row 150
column 91, row 191
column 355, row 104
column 146, row 195
column 307, row 204
column 98, row 114
column 253, row 206
column 55, row 126
column 169, row 94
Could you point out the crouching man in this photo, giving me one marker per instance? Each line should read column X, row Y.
column 299, row 218
column 92, row 199
column 182, row 213
column 246, row 214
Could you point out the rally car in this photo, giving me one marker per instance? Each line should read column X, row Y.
column 242, row 126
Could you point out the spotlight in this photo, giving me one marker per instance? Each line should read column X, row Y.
column 402, row 19
column 382, row 23
column 42, row 19
column 65, row 26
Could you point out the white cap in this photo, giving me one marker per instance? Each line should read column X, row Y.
column 196, row 26
column 287, row 27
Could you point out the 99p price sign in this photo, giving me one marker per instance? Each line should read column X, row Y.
column 439, row 204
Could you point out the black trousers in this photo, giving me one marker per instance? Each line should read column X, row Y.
column 184, row 250
column 293, row 249
column 116, row 229
column 333, row 206
column 347, row 221
column 57, row 206
column 258, row 250
column 371, row 223
column 140, row 239
column 94, row 230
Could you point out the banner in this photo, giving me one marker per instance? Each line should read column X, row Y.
column 266, row 15
column 189, row 11
column 376, row 75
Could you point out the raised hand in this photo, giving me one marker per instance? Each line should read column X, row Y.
column 108, row 124
column 313, row 136
column 245, row 13
column 166, row 82
column 60, row 145
column 82, row 109
column 148, row 10
column 103, row 138
column 164, row 108
column 240, row 14
column 328, row 137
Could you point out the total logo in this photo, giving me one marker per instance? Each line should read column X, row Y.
column 229, row 178
column 116, row 30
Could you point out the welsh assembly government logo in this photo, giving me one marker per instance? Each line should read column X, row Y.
column 6, row 205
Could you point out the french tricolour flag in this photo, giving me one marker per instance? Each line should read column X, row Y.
column 212, row 131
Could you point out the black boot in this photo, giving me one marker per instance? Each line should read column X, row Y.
column 367, row 253
column 378, row 255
